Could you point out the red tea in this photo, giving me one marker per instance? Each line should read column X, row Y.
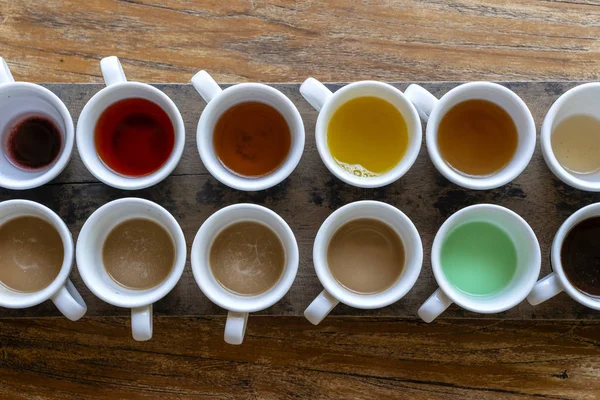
column 134, row 137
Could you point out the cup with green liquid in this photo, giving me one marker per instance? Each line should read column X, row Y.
column 485, row 258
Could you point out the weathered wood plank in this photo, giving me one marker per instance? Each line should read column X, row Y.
column 307, row 197
column 282, row 40
column 286, row 357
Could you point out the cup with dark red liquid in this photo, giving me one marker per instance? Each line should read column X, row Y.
column 130, row 135
column 36, row 133
column 575, row 257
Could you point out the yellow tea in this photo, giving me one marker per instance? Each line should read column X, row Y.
column 367, row 136
column 477, row 137
column 576, row 143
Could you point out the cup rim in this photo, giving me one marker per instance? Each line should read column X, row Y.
column 69, row 138
column 546, row 143
column 237, row 181
column 493, row 181
column 559, row 237
column 367, row 301
column 116, row 180
column 35, row 298
column 387, row 178
column 157, row 292
column 246, row 304
column 449, row 290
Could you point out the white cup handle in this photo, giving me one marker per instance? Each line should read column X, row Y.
column 69, row 302
column 422, row 99
column 315, row 93
column 434, row 306
column 5, row 74
column 320, row 307
column 141, row 323
column 235, row 327
column 112, row 71
column 546, row 288
column 205, row 85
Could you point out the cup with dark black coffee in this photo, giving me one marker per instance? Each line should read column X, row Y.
column 36, row 133
column 575, row 257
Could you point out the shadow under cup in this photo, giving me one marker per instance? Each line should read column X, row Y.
column 528, row 258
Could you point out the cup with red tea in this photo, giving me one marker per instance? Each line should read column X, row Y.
column 36, row 133
column 250, row 136
column 130, row 135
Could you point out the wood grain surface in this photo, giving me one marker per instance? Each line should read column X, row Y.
column 307, row 197
column 284, row 41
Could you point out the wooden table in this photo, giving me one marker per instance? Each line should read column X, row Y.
column 358, row 357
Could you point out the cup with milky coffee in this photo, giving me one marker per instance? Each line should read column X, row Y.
column 244, row 259
column 131, row 253
column 36, row 257
column 367, row 255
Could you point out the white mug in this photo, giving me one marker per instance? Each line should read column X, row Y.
column 117, row 89
column 21, row 99
column 527, row 271
column 239, row 306
column 61, row 291
column 91, row 267
column 220, row 101
column 326, row 103
column 557, row 282
column 433, row 110
column 334, row 292
column 582, row 99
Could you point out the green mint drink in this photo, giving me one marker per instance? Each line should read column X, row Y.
column 479, row 258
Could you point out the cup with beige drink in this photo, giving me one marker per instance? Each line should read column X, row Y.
column 131, row 253
column 36, row 257
column 367, row 255
column 244, row 259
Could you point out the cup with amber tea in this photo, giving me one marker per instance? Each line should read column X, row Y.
column 130, row 135
column 36, row 133
column 250, row 136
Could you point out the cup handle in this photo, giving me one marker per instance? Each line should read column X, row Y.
column 422, row 99
column 69, row 302
column 205, row 85
column 5, row 74
column 141, row 323
column 320, row 307
column 235, row 327
column 546, row 288
column 434, row 306
column 315, row 93
column 112, row 71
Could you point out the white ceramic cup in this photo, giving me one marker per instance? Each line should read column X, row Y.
column 582, row 99
column 334, row 292
column 433, row 110
column 61, row 291
column 91, row 267
column 327, row 103
column 22, row 99
column 220, row 101
column 239, row 306
column 557, row 282
column 117, row 89
column 526, row 274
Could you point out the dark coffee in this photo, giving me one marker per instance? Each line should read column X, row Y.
column 580, row 256
column 33, row 142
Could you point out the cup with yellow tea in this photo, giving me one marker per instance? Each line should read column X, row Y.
column 570, row 137
column 368, row 133
column 480, row 135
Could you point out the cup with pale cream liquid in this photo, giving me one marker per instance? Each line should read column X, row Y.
column 570, row 137
column 368, row 133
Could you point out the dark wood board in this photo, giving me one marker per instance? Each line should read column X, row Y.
column 306, row 198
